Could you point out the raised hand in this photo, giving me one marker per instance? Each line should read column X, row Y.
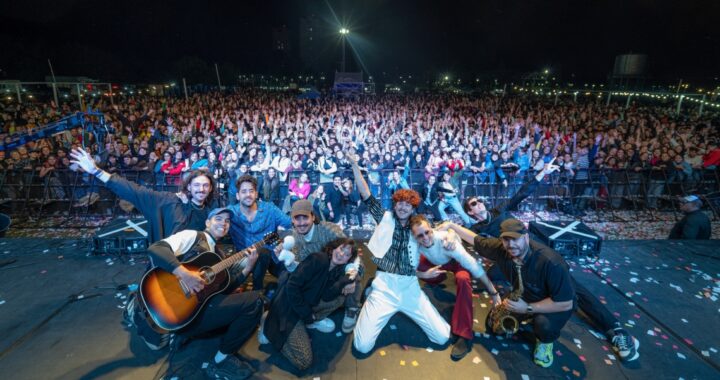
column 83, row 160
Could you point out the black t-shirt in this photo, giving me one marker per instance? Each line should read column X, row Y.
column 544, row 272
column 196, row 220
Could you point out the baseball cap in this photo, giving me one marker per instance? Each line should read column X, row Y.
column 301, row 207
column 512, row 228
column 220, row 210
column 689, row 198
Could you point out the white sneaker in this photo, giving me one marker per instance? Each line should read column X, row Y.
column 326, row 325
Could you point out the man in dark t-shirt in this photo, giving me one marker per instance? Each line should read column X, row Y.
column 548, row 297
column 695, row 224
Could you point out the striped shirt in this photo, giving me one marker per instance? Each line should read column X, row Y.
column 397, row 258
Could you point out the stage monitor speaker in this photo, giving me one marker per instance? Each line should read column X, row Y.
column 567, row 238
column 122, row 236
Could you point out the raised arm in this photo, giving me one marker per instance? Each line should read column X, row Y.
column 360, row 182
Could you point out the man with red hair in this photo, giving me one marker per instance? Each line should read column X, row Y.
column 396, row 287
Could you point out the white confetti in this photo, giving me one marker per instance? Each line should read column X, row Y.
column 713, row 350
column 611, row 357
column 681, row 356
column 339, row 334
column 429, row 349
column 525, row 377
column 483, row 305
column 476, row 360
column 494, row 351
column 46, row 250
column 2, row 302
column 204, row 365
column 393, row 327
column 684, row 320
column 705, row 353
column 651, row 332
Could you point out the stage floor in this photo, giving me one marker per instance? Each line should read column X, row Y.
column 61, row 318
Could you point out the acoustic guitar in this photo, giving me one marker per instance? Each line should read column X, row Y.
column 172, row 306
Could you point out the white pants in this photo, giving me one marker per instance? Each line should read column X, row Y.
column 392, row 293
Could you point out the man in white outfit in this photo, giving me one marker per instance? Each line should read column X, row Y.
column 435, row 261
column 396, row 287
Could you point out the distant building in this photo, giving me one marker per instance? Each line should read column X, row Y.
column 309, row 45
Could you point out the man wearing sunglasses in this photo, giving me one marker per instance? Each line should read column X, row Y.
column 488, row 221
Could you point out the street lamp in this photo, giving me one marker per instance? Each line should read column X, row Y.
column 343, row 32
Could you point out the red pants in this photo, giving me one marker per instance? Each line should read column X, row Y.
column 462, row 317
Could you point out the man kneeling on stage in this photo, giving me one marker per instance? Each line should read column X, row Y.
column 238, row 313
column 546, row 295
column 434, row 262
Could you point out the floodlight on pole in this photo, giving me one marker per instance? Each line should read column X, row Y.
column 343, row 32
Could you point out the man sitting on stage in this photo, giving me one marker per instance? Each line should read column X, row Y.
column 548, row 296
column 488, row 224
column 252, row 219
column 434, row 262
column 395, row 288
column 237, row 313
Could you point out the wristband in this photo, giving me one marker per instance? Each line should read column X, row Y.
column 529, row 309
column 493, row 294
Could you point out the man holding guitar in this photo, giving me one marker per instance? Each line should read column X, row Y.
column 189, row 275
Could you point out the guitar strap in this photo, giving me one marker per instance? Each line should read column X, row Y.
column 199, row 246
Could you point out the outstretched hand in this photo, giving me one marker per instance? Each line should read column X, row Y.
column 83, row 160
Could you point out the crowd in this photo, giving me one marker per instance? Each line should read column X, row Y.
column 465, row 146
column 269, row 155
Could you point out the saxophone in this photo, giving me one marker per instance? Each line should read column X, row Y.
column 503, row 322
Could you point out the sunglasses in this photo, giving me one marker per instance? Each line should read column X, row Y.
column 423, row 234
column 473, row 203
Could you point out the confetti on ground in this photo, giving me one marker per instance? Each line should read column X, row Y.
column 608, row 362
column 525, row 377
column 429, row 349
column 681, row 356
column 2, row 302
column 393, row 327
column 204, row 365
column 415, row 363
column 339, row 334
column 382, row 353
column 402, row 362
column 576, row 373
column 476, row 360
column 494, row 351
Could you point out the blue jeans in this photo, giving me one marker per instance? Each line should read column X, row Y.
column 454, row 203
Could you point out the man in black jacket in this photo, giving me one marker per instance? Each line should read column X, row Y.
column 488, row 221
column 166, row 212
column 695, row 224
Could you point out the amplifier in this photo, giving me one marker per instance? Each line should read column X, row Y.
column 567, row 238
column 122, row 236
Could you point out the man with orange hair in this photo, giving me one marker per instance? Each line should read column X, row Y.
column 396, row 287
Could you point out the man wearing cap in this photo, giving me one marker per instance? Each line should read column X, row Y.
column 396, row 287
column 238, row 314
column 695, row 224
column 252, row 220
column 310, row 237
column 549, row 294
column 488, row 224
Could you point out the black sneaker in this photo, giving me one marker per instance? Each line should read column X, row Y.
column 232, row 368
column 461, row 347
column 625, row 345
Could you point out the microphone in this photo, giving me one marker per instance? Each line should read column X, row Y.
column 286, row 256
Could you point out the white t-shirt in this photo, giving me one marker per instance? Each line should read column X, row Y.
column 438, row 255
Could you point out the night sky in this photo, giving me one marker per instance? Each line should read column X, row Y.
column 142, row 41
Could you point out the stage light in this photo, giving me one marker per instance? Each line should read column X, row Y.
column 344, row 31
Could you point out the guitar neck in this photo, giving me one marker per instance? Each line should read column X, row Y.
column 227, row 263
